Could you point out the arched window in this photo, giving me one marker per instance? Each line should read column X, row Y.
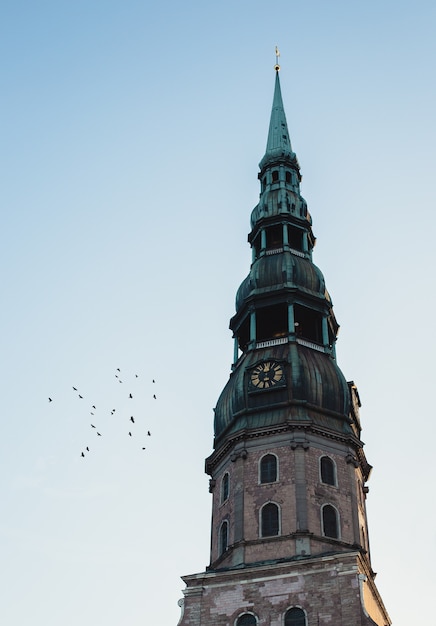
column 247, row 619
column 269, row 520
column 295, row 617
column 328, row 473
column 268, row 469
column 224, row 536
column 225, row 483
column 330, row 525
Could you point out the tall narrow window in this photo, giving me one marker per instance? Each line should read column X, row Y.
column 330, row 524
column 269, row 520
column 223, row 539
column 327, row 471
column 225, row 483
column 247, row 619
column 268, row 468
column 295, row 617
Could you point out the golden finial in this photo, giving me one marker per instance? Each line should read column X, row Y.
column 277, row 66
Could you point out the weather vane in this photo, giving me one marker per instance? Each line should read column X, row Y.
column 277, row 66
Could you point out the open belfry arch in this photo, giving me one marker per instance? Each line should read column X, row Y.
column 288, row 474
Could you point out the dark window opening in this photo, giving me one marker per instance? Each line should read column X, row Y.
column 295, row 236
column 330, row 522
column 274, row 237
column 223, row 537
column 271, row 322
column 295, row 617
column 246, row 620
column 256, row 244
column 268, row 469
column 308, row 323
column 288, row 177
column 225, row 487
column 243, row 334
column 327, row 471
column 263, row 184
column 270, row 520
column 275, row 176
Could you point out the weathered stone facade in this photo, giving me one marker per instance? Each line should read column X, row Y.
column 330, row 589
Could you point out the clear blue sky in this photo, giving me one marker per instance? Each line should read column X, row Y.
column 131, row 134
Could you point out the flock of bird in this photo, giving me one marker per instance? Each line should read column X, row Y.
column 94, row 413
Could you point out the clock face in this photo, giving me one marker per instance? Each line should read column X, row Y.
column 267, row 375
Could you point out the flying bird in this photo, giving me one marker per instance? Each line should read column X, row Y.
column 143, row 448
column 130, row 433
column 130, row 395
column 83, row 454
column 118, row 369
column 154, row 396
column 154, row 380
column 99, row 434
column 93, row 406
column 50, row 400
column 132, row 420
column 148, row 433
column 92, row 425
column 74, row 388
column 81, row 397
column 87, row 448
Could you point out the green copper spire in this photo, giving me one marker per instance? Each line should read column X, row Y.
column 279, row 143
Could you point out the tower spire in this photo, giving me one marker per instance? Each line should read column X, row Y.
column 278, row 144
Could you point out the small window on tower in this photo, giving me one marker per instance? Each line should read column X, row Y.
column 268, row 469
column 223, row 538
column 269, row 520
column 328, row 473
column 275, row 176
column 288, row 177
column 295, row 617
column 274, row 237
column 330, row 525
column 272, row 322
column 295, row 236
column 225, row 483
column 308, row 323
column 243, row 334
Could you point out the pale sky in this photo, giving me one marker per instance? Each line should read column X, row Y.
column 130, row 144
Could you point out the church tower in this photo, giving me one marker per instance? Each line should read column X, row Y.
column 289, row 538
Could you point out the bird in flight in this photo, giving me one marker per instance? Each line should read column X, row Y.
column 92, row 425
column 132, row 420
column 130, row 395
column 87, row 448
column 99, row 434
column 148, row 433
column 154, row 396
column 81, row 397
column 50, row 400
column 130, row 433
column 83, row 454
